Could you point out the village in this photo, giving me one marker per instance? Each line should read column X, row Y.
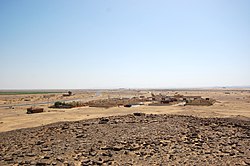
column 150, row 100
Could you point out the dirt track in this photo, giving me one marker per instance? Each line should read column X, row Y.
column 130, row 140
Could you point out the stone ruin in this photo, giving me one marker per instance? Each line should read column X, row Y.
column 33, row 110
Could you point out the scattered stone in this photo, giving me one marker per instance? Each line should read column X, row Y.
column 139, row 114
column 137, row 139
column 103, row 121
column 54, row 163
column 39, row 142
column 117, row 148
column 59, row 158
column 30, row 154
column 8, row 158
column 81, row 136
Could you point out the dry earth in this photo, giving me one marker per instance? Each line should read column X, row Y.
column 135, row 139
column 166, row 135
column 230, row 103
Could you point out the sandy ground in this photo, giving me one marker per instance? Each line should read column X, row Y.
column 230, row 103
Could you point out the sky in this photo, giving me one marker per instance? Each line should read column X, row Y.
column 84, row 44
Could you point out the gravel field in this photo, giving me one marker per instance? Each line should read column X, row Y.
column 134, row 139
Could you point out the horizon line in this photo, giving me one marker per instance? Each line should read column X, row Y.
column 129, row 88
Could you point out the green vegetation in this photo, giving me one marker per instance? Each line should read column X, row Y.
column 25, row 92
column 59, row 104
column 72, row 104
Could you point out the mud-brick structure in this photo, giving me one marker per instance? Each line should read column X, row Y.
column 33, row 110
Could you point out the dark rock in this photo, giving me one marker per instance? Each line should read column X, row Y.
column 107, row 153
column 8, row 158
column 59, row 158
column 117, row 148
column 103, row 121
column 138, row 114
column 135, row 139
column 81, row 136
column 39, row 142
column 92, row 153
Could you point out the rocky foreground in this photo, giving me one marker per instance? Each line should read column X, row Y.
column 136, row 139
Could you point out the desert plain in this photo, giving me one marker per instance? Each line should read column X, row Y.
column 143, row 135
column 229, row 103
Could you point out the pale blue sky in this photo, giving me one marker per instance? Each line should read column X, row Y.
column 124, row 44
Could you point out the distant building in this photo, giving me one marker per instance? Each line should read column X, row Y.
column 67, row 94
